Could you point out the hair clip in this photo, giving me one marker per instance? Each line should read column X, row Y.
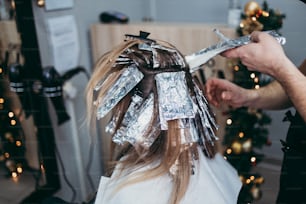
column 142, row 36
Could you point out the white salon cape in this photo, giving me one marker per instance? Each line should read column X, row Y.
column 215, row 182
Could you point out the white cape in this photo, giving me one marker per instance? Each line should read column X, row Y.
column 215, row 182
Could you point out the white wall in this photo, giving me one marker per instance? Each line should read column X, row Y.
column 87, row 12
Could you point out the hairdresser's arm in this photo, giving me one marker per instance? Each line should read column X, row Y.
column 293, row 81
column 267, row 56
column 277, row 94
column 270, row 97
column 221, row 91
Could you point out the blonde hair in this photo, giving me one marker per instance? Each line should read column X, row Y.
column 167, row 150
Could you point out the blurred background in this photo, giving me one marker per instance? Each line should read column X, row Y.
column 48, row 50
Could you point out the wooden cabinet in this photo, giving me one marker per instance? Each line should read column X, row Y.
column 188, row 38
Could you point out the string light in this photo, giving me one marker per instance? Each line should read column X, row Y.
column 18, row 143
column 10, row 114
column 15, row 176
column 40, row 3
column 241, row 134
column 1, row 103
column 229, row 151
column 229, row 121
column 19, row 169
column 6, row 155
column 13, row 122
column 253, row 159
column 256, row 80
column 248, row 181
column 236, row 68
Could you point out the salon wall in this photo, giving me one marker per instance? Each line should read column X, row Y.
column 74, row 146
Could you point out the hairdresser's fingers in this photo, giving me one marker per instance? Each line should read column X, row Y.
column 211, row 92
column 232, row 53
column 255, row 36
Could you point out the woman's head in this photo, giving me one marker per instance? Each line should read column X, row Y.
column 157, row 109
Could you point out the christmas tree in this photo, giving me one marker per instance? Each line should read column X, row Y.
column 246, row 129
column 12, row 149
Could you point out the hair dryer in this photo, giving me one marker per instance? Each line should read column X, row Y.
column 52, row 88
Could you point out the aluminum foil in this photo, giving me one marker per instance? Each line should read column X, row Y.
column 189, row 133
column 208, row 121
column 199, row 58
column 136, row 123
column 175, row 59
column 129, row 78
column 123, row 59
column 145, row 46
column 173, row 97
column 130, row 115
column 111, row 125
column 138, row 126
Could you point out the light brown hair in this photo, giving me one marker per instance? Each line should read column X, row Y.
column 167, row 151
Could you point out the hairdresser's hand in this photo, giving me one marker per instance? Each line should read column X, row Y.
column 220, row 91
column 264, row 54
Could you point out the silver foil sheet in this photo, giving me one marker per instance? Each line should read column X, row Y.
column 176, row 58
column 173, row 97
column 111, row 125
column 129, row 78
column 207, row 120
column 136, row 123
column 200, row 57
column 189, row 133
